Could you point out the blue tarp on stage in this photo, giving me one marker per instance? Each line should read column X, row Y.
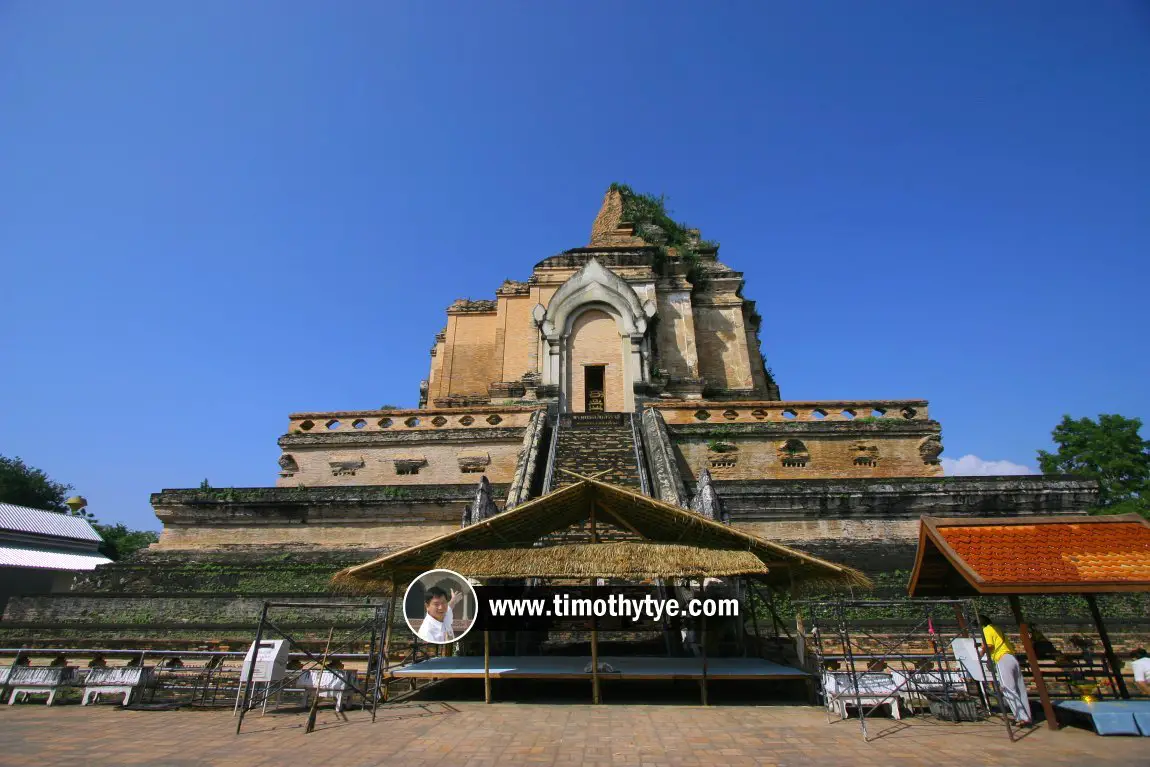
column 557, row 667
column 1113, row 717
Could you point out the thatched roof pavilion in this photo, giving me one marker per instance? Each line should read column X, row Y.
column 593, row 529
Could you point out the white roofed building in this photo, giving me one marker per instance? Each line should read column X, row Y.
column 42, row 551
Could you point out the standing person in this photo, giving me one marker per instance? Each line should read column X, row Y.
column 1141, row 668
column 1009, row 672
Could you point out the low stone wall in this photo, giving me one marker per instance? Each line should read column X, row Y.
column 287, row 519
column 874, row 524
column 166, row 621
column 166, row 610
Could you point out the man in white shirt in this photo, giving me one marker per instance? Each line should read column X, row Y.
column 1141, row 667
column 437, row 626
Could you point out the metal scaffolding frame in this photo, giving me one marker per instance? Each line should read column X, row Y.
column 838, row 634
column 375, row 629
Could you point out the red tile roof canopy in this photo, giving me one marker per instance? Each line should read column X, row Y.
column 1049, row 555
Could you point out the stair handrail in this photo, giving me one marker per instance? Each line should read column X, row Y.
column 636, row 439
column 549, row 477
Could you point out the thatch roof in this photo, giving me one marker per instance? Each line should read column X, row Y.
column 622, row 559
column 496, row 546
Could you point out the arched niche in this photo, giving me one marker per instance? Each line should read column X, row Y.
column 593, row 288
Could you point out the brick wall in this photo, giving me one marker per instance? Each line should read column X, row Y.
column 333, row 534
column 830, row 457
column 721, row 341
column 676, row 334
column 441, row 467
column 520, row 338
column 473, row 362
column 595, row 340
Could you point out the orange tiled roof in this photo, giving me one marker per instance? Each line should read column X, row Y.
column 1047, row 553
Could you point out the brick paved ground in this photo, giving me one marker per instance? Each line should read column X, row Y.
column 476, row 735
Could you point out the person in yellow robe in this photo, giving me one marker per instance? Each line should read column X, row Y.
column 998, row 648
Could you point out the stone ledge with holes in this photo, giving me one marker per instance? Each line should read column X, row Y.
column 400, row 420
column 749, row 412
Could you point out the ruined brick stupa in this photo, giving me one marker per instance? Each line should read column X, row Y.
column 635, row 357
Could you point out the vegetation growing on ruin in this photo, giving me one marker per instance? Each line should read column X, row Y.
column 891, row 585
column 653, row 223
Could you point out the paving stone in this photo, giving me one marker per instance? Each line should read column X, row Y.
column 477, row 735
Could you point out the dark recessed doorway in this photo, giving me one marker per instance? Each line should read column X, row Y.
column 596, row 397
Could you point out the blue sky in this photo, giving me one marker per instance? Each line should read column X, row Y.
column 216, row 213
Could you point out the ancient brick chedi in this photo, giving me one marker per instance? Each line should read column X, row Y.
column 636, row 357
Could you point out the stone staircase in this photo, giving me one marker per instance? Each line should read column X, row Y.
column 589, row 443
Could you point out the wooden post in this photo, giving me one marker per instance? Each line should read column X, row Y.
column 314, row 710
column 770, row 603
column 800, row 633
column 387, row 638
column 960, row 617
column 1032, row 657
column 594, row 638
column 1111, row 658
column 754, row 617
column 486, row 666
column 703, row 637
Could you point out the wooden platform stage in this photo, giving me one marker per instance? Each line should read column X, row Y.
column 572, row 667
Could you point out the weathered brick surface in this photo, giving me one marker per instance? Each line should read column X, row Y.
column 701, row 329
column 441, row 463
column 596, row 341
column 678, row 357
column 591, row 444
column 874, row 525
column 278, row 536
column 473, row 363
column 298, row 519
column 831, row 456
column 721, row 341
column 520, row 338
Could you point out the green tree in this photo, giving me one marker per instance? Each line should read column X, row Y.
column 120, row 541
column 1109, row 450
column 23, row 485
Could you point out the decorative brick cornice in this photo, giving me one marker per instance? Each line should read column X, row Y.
column 294, row 496
column 323, row 439
column 788, row 428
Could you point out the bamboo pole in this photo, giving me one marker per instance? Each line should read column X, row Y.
column 311, row 714
column 1032, row 657
column 486, row 666
column 378, row 659
column 1111, row 658
column 703, row 681
column 247, row 688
